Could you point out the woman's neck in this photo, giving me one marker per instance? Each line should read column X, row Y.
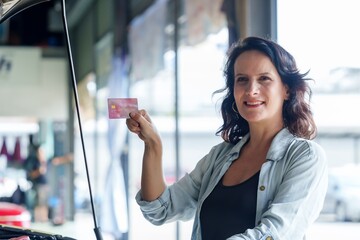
column 262, row 137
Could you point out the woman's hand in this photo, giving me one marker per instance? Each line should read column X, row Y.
column 141, row 124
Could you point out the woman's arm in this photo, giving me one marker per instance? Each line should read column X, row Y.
column 180, row 200
column 152, row 179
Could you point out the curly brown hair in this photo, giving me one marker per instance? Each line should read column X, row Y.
column 298, row 118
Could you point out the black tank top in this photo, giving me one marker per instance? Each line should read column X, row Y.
column 229, row 210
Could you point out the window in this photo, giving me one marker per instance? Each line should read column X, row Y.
column 323, row 37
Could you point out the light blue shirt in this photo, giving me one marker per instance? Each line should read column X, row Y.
column 291, row 190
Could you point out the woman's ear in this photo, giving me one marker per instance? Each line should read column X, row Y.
column 287, row 93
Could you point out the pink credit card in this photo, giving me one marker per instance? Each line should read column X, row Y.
column 121, row 107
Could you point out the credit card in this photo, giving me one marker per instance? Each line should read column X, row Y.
column 121, row 107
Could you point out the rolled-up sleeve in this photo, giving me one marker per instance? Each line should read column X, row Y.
column 178, row 201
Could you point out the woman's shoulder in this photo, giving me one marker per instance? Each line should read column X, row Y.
column 216, row 153
column 223, row 148
column 309, row 144
column 306, row 149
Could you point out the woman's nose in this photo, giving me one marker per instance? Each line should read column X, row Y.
column 252, row 88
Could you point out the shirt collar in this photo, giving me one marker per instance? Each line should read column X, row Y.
column 278, row 146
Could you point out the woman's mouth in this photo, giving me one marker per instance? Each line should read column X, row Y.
column 253, row 103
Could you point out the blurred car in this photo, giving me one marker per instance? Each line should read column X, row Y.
column 14, row 215
column 343, row 195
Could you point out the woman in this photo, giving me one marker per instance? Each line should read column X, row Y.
column 267, row 179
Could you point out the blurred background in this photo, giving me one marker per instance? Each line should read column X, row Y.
column 169, row 54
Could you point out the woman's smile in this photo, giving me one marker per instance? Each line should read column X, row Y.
column 253, row 104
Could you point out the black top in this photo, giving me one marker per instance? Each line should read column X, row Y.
column 229, row 210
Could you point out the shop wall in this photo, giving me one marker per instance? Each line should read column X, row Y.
column 39, row 89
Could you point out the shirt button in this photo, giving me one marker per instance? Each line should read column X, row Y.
column 269, row 238
column 262, row 188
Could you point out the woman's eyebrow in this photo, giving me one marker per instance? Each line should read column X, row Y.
column 265, row 73
column 244, row 74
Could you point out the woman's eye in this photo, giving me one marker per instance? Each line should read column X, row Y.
column 241, row 79
column 263, row 78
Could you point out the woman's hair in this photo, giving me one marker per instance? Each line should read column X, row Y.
column 297, row 115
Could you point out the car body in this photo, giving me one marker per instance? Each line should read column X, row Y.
column 343, row 195
column 14, row 215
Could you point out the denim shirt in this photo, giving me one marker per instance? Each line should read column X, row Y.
column 291, row 190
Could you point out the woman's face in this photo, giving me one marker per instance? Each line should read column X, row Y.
column 258, row 90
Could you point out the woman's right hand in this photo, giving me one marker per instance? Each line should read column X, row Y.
column 140, row 123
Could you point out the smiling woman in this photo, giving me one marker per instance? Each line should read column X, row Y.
column 267, row 155
column 266, row 59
